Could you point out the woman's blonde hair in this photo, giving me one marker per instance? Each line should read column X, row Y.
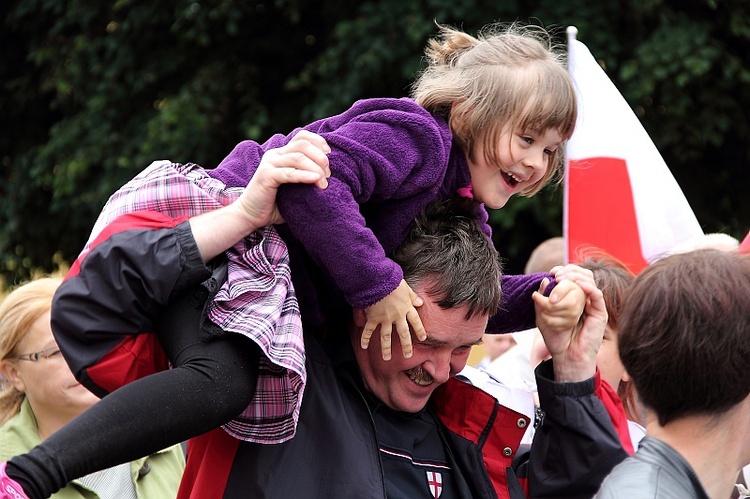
column 18, row 312
column 509, row 77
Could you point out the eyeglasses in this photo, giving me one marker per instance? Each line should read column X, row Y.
column 43, row 354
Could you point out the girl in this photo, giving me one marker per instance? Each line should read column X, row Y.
column 614, row 279
column 486, row 121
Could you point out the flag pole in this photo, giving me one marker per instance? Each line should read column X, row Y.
column 571, row 31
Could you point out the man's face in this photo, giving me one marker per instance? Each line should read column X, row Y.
column 407, row 384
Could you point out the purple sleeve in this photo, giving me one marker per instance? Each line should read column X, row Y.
column 516, row 311
column 240, row 165
column 392, row 160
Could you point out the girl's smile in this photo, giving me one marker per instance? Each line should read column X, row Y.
column 522, row 160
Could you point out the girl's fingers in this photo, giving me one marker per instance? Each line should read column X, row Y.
column 402, row 329
column 385, row 341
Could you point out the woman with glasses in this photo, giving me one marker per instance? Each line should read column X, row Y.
column 39, row 395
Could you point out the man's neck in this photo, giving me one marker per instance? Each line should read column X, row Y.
column 712, row 449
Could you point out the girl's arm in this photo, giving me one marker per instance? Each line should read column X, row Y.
column 388, row 161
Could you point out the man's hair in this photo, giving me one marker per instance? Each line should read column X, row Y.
column 448, row 251
column 685, row 334
column 508, row 76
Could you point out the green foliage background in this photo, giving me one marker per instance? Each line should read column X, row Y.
column 93, row 91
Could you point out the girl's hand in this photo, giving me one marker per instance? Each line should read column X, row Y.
column 397, row 308
column 572, row 343
column 572, row 272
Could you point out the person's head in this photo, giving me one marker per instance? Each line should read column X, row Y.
column 497, row 344
column 614, row 279
column 685, row 334
column 452, row 265
column 30, row 361
column 510, row 103
column 549, row 253
column 712, row 240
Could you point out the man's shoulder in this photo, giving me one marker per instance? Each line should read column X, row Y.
column 516, row 397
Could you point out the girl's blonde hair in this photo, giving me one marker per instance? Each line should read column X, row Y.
column 507, row 78
column 18, row 312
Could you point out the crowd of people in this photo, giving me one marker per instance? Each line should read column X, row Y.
column 250, row 310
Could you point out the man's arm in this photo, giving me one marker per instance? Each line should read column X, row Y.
column 576, row 444
column 302, row 161
column 140, row 260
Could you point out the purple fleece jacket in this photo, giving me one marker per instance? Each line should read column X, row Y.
column 389, row 158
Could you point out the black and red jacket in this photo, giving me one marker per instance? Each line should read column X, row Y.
column 335, row 452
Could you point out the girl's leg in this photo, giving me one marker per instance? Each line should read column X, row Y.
column 212, row 381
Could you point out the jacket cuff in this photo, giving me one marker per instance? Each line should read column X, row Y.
column 191, row 261
column 548, row 387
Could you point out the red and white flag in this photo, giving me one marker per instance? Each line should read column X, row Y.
column 620, row 196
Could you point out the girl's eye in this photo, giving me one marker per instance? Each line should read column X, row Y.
column 528, row 140
column 549, row 152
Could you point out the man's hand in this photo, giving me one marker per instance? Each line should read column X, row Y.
column 397, row 308
column 573, row 344
column 302, row 160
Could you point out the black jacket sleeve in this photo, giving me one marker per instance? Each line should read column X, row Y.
column 121, row 283
column 575, row 445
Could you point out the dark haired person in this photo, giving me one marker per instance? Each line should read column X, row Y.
column 687, row 353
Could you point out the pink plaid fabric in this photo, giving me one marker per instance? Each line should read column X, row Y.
column 257, row 300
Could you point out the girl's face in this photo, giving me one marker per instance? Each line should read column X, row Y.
column 523, row 161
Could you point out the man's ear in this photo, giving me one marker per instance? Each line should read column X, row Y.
column 360, row 319
column 11, row 374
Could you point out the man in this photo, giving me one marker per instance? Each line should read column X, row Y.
column 686, row 349
column 406, row 427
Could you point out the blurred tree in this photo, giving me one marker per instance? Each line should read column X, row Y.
column 93, row 91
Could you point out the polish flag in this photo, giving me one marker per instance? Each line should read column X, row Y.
column 620, row 196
